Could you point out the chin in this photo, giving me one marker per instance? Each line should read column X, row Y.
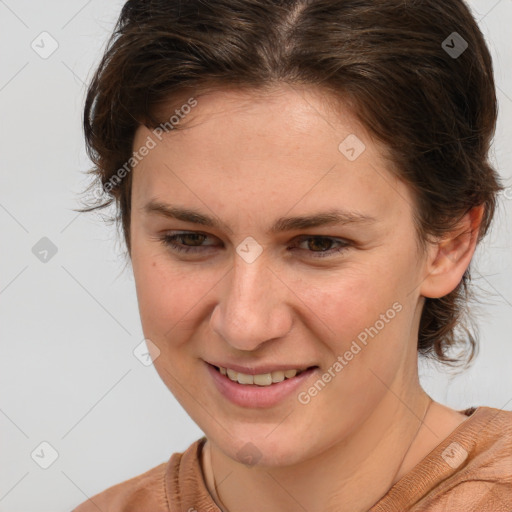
column 256, row 448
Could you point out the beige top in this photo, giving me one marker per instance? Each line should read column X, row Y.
column 470, row 471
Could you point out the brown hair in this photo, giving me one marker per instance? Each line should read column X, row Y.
column 390, row 60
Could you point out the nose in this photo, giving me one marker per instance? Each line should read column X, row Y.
column 252, row 307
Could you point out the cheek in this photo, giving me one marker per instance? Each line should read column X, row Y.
column 175, row 300
column 348, row 299
column 366, row 342
column 164, row 293
column 363, row 313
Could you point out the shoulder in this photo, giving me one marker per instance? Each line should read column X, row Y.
column 160, row 489
column 480, row 457
column 142, row 493
column 489, row 444
column 472, row 496
column 470, row 470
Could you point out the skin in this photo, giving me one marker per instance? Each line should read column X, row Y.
column 247, row 160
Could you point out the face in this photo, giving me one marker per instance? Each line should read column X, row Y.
column 341, row 296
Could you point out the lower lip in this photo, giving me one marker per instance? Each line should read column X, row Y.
column 257, row 396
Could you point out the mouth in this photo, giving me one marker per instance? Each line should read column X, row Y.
column 262, row 379
column 258, row 391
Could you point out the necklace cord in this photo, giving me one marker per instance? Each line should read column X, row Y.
column 413, row 439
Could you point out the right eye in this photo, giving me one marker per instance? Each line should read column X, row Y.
column 169, row 241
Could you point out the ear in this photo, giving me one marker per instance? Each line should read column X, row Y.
column 449, row 258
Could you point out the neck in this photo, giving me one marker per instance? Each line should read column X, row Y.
column 353, row 474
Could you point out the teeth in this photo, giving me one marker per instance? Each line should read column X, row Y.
column 231, row 374
column 264, row 379
column 278, row 376
column 241, row 378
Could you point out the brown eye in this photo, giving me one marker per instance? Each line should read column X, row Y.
column 319, row 246
column 185, row 238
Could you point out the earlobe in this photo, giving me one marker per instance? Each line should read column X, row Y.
column 450, row 257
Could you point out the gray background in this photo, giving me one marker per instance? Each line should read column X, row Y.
column 69, row 325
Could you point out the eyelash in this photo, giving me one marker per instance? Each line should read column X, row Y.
column 168, row 241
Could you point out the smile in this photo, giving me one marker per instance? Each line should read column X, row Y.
column 262, row 392
column 263, row 379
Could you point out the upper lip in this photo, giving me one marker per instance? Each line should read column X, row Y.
column 258, row 370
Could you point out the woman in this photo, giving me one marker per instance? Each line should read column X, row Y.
column 302, row 186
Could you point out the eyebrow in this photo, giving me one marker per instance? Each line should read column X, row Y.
column 283, row 224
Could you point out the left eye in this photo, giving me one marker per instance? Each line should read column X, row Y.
column 322, row 243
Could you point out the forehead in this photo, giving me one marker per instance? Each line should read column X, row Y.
column 284, row 147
